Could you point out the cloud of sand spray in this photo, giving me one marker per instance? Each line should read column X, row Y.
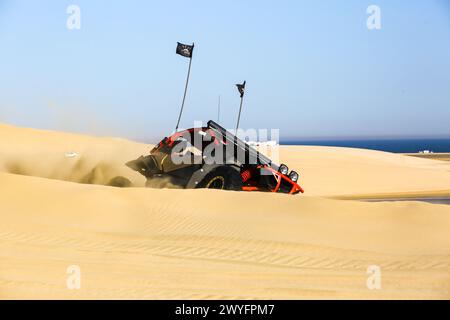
column 80, row 171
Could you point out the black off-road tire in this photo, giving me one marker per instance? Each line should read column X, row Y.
column 224, row 178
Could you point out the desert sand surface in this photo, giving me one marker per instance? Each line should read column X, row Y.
column 57, row 211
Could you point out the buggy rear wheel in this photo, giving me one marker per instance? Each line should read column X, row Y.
column 218, row 182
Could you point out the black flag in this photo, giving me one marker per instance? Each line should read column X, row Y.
column 241, row 88
column 185, row 50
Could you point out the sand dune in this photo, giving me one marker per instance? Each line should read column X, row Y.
column 66, row 156
column 336, row 171
column 149, row 243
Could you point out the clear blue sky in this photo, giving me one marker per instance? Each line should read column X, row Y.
column 313, row 69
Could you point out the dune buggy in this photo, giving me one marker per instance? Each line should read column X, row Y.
column 212, row 157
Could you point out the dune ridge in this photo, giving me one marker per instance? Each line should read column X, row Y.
column 324, row 171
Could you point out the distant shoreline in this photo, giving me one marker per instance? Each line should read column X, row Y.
column 409, row 146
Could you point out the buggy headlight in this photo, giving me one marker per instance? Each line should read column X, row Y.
column 293, row 176
column 283, row 169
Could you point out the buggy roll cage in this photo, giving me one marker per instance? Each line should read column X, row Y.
column 249, row 151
